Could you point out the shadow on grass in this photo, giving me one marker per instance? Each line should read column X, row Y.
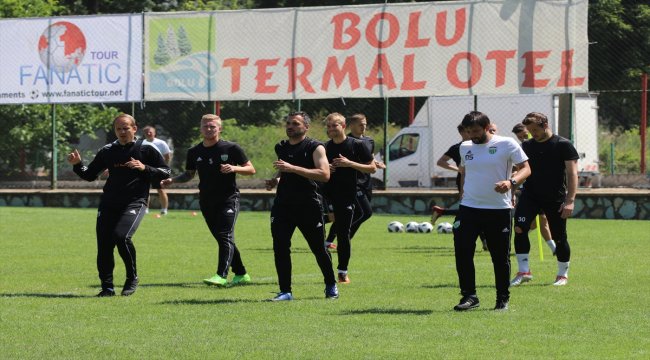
column 453, row 286
column 378, row 311
column 210, row 302
column 48, row 296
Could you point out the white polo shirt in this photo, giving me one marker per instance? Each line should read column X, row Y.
column 485, row 165
column 161, row 145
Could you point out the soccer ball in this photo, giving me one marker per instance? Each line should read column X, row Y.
column 444, row 228
column 412, row 227
column 425, row 227
column 395, row 226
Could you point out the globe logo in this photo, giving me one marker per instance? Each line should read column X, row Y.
column 62, row 46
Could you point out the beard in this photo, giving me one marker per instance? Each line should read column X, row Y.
column 480, row 140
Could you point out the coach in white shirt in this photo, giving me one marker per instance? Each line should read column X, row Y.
column 149, row 133
column 486, row 166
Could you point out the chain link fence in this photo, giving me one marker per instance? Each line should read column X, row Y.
column 605, row 126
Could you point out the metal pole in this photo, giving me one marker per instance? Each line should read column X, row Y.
column 386, row 152
column 411, row 109
column 644, row 118
column 53, row 180
column 611, row 158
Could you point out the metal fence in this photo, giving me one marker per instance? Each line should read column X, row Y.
column 605, row 125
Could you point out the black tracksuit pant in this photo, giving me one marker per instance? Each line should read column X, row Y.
column 497, row 226
column 307, row 216
column 221, row 216
column 115, row 227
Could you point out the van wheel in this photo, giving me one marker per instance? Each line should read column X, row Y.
column 378, row 184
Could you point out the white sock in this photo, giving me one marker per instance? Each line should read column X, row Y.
column 551, row 245
column 146, row 210
column 522, row 261
column 164, row 211
column 563, row 269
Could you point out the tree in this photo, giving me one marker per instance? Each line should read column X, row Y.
column 184, row 44
column 161, row 56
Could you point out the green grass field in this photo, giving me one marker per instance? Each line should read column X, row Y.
column 397, row 306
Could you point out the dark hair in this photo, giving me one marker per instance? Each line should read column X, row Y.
column 535, row 118
column 474, row 118
column 518, row 128
column 460, row 128
column 305, row 117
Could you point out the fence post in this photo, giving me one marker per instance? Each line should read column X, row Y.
column 54, row 175
column 386, row 152
column 611, row 158
column 644, row 118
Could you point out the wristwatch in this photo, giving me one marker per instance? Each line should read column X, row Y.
column 513, row 182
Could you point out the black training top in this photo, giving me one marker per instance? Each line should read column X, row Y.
column 547, row 180
column 343, row 181
column 293, row 187
column 454, row 153
column 124, row 185
column 363, row 179
column 207, row 162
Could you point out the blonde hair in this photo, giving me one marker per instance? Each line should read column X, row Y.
column 125, row 116
column 211, row 117
column 335, row 117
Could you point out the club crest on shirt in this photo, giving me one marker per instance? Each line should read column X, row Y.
column 210, row 161
column 469, row 156
column 224, row 157
column 492, row 150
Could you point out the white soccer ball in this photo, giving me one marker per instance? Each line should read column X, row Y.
column 412, row 227
column 395, row 226
column 425, row 227
column 444, row 228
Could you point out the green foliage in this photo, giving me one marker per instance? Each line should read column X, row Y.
column 627, row 154
column 398, row 305
column 184, row 44
column 29, row 8
column 29, row 133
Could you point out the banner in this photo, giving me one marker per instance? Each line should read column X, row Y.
column 384, row 50
column 85, row 59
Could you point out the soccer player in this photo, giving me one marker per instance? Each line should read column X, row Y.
column 486, row 179
column 552, row 189
column 453, row 153
column 522, row 135
column 150, row 136
column 301, row 163
column 346, row 156
column 357, row 125
column 132, row 166
column 218, row 162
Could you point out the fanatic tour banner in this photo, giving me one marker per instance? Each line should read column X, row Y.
column 71, row 60
column 384, row 50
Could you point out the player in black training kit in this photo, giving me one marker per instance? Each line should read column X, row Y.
column 357, row 124
column 218, row 162
column 346, row 156
column 552, row 188
column 301, row 162
column 131, row 166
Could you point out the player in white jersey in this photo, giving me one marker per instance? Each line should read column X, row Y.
column 486, row 167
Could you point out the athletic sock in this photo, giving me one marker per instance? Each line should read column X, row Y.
column 563, row 269
column 551, row 245
column 344, row 272
column 522, row 262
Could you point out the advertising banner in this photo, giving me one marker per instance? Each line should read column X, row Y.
column 84, row 59
column 383, row 50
